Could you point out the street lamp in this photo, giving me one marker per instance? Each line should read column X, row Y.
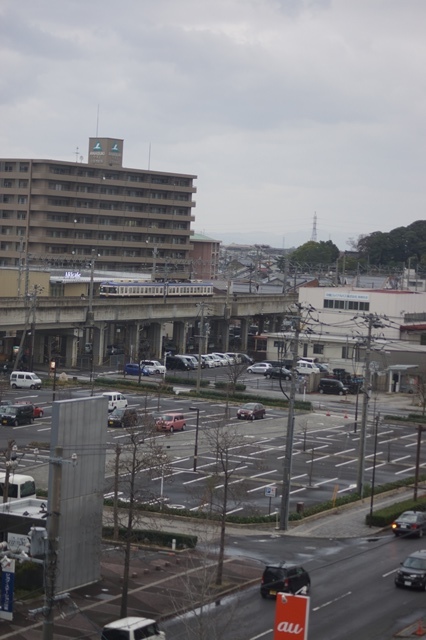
column 196, row 436
column 53, row 370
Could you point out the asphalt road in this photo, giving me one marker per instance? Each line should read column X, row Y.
column 352, row 597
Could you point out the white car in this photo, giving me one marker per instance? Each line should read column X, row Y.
column 259, row 367
column 212, row 362
column 232, row 357
column 223, row 359
column 153, row 366
column 217, row 361
column 208, row 362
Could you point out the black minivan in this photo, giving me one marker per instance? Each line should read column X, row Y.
column 284, row 578
column 16, row 414
column 176, row 363
column 331, row 385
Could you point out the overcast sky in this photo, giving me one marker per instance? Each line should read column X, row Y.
column 282, row 108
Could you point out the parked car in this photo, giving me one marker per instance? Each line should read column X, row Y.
column 251, row 411
column 284, row 578
column 207, row 363
column 213, row 362
column 37, row 411
column 410, row 523
column 218, row 360
column 278, row 372
column 330, row 385
column 153, row 366
column 114, row 350
column 123, row 418
column 198, row 358
column 177, row 364
column 170, row 422
column 306, row 368
column 243, row 357
column 413, row 571
column 191, row 360
column 223, row 359
column 259, row 367
column 134, row 369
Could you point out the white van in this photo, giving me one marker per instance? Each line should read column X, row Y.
column 115, row 400
column 20, row 486
column 304, row 367
column 132, row 628
column 24, row 380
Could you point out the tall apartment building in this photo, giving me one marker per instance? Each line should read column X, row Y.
column 64, row 213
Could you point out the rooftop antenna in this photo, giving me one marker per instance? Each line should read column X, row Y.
column 97, row 122
column 77, row 151
column 314, row 228
column 149, row 157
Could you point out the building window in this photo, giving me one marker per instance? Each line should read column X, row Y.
column 349, row 305
column 318, row 349
column 345, row 353
column 22, row 200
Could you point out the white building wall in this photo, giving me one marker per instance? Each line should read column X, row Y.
column 390, row 303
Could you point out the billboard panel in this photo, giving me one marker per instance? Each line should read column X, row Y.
column 79, row 427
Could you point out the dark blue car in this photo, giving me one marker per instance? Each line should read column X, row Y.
column 133, row 369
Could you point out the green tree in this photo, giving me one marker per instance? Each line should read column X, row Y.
column 395, row 247
column 316, row 253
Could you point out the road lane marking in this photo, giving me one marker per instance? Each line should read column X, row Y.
column 326, row 604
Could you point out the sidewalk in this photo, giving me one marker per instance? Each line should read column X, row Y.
column 347, row 521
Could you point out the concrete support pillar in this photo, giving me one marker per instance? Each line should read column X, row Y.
column 261, row 324
column 71, row 350
column 38, row 348
column 99, row 332
column 132, row 348
column 179, row 337
column 154, row 338
column 244, row 334
column 222, row 335
column 276, row 323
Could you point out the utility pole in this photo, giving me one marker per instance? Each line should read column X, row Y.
column 11, row 464
column 201, row 345
column 373, row 321
column 51, row 556
column 285, row 498
column 91, row 320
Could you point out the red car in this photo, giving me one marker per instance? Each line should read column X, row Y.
column 251, row 411
column 37, row 411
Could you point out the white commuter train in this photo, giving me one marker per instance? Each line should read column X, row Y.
column 144, row 289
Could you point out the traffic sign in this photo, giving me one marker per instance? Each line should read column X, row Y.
column 291, row 617
column 271, row 492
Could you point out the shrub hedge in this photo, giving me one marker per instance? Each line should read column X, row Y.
column 384, row 517
column 411, row 417
column 154, row 537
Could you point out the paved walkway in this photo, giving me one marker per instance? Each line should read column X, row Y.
column 343, row 522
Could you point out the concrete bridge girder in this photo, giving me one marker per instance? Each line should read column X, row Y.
column 66, row 316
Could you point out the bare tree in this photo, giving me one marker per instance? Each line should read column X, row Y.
column 228, row 446
column 140, row 453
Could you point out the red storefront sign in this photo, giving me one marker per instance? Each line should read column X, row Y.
column 291, row 617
